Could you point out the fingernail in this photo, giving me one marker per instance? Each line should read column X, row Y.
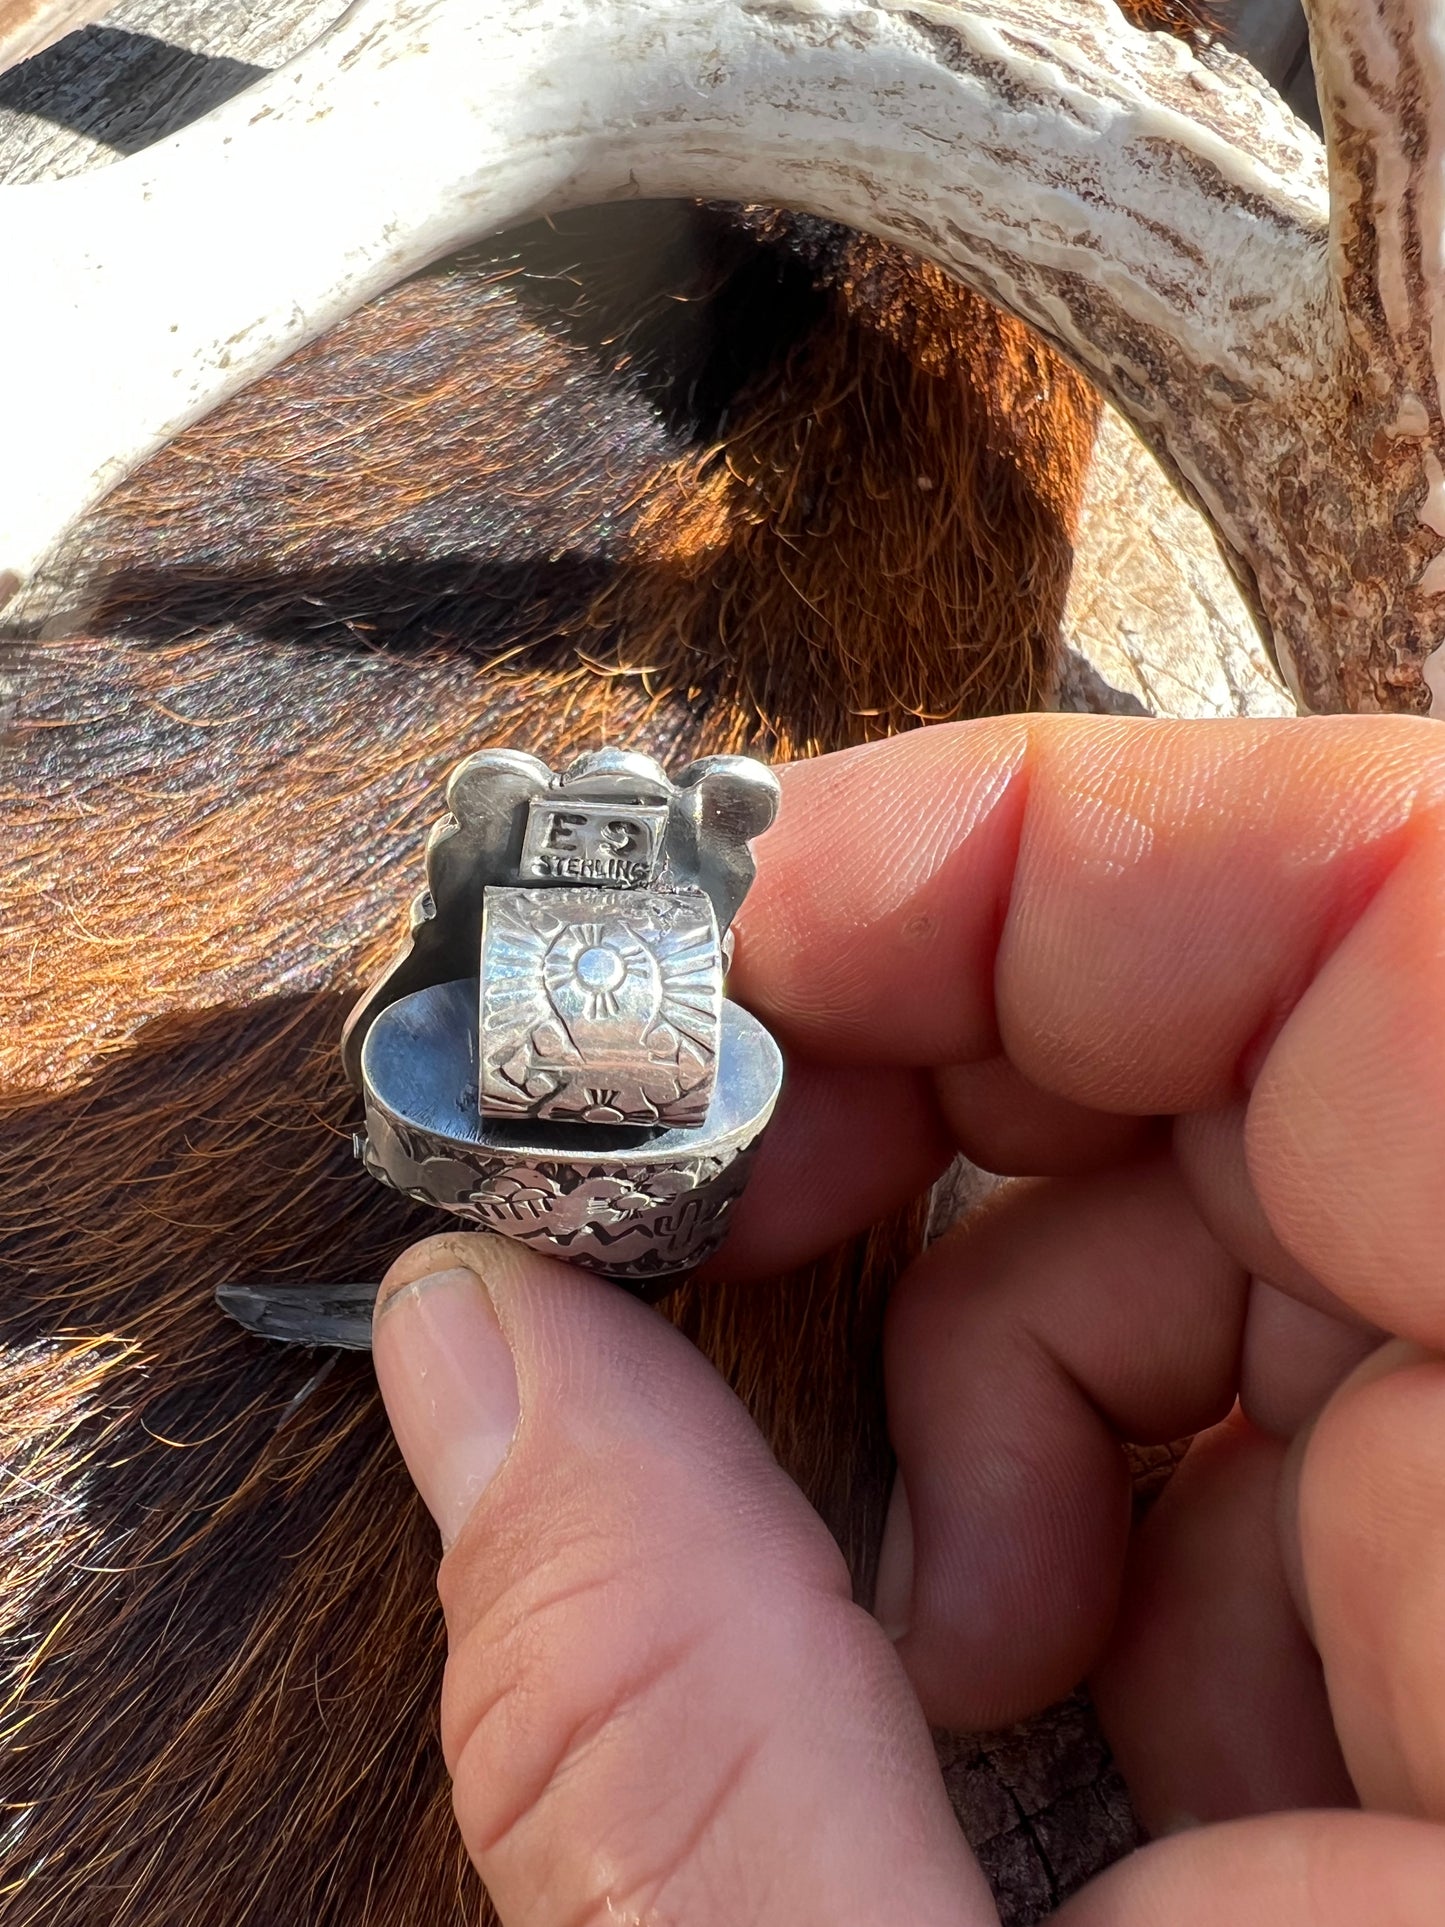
column 450, row 1389
column 893, row 1592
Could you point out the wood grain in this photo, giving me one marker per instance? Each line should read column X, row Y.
column 149, row 68
column 1154, row 620
column 27, row 27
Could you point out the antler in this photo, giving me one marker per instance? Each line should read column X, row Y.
column 1152, row 210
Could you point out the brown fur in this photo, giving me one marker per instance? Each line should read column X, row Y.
column 716, row 480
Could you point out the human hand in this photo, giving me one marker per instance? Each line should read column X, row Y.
column 1191, row 979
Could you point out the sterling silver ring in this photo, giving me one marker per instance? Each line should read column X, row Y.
column 551, row 1056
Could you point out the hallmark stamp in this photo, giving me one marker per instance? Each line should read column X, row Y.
column 571, row 841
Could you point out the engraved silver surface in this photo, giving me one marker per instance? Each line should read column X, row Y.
column 637, row 1205
column 599, row 1006
column 506, row 811
column 551, row 1055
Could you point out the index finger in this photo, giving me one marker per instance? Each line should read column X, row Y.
column 1148, row 917
column 1121, row 905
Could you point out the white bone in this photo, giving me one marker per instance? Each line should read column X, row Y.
column 1156, row 214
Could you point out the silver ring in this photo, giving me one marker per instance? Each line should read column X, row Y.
column 552, row 1055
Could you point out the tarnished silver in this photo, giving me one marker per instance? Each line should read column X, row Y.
column 337, row 1316
column 599, row 1008
column 712, row 812
column 551, row 1056
column 634, row 1204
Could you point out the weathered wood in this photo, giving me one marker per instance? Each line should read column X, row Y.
column 29, row 26
column 150, row 68
column 1154, row 616
column 1155, row 623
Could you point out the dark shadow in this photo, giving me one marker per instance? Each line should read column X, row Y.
column 470, row 608
column 683, row 313
column 1085, row 688
column 123, row 89
column 689, row 303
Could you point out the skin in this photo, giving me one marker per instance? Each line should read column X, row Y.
column 1186, row 982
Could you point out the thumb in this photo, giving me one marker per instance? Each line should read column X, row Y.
column 661, row 1704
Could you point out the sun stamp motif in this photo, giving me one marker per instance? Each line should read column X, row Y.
column 599, row 1008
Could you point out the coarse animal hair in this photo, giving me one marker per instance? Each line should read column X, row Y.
column 694, row 479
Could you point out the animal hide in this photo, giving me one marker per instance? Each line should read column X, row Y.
column 694, row 479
